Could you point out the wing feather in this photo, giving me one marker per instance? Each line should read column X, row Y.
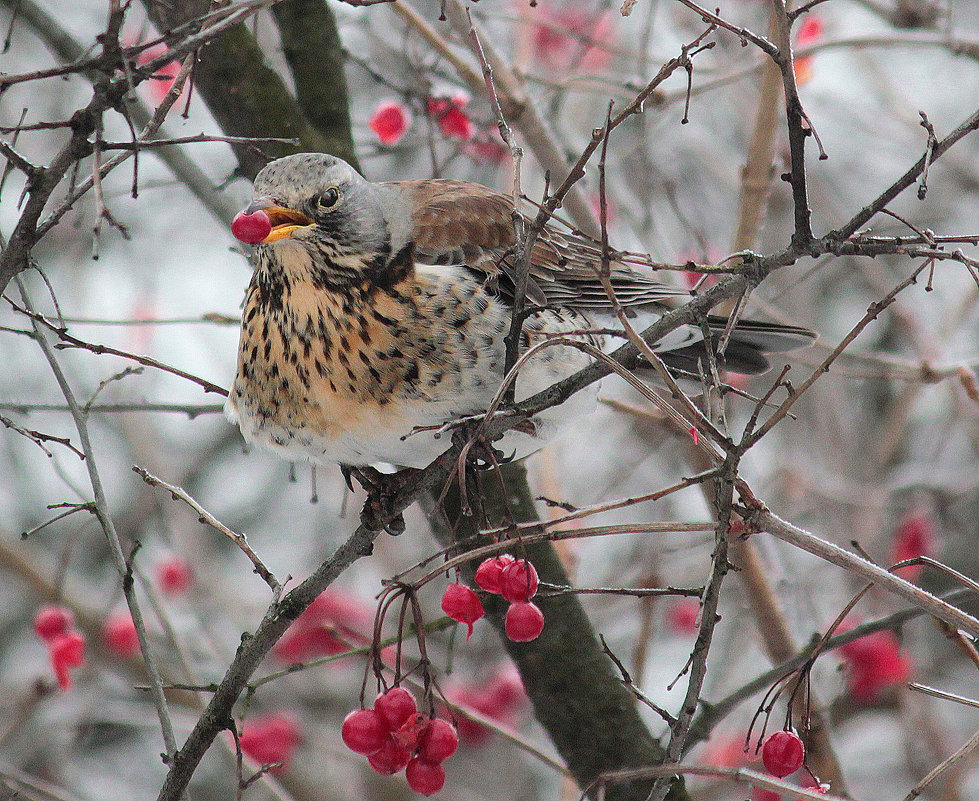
column 456, row 222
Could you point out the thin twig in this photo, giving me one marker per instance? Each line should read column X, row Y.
column 69, row 341
column 179, row 494
column 105, row 519
column 764, row 520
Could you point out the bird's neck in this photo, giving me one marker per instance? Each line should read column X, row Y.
column 297, row 282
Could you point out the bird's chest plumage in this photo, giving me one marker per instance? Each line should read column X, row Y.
column 344, row 375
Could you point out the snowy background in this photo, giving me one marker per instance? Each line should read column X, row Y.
column 869, row 445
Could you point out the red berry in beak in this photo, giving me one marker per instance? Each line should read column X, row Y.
column 251, row 228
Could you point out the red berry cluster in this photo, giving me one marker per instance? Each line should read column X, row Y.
column 516, row 580
column 394, row 735
column 66, row 647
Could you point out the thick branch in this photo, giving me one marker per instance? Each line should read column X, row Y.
column 312, row 47
column 253, row 649
column 245, row 95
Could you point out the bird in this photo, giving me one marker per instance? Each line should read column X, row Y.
column 377, row 312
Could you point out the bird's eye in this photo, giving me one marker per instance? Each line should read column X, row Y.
column 328, row 199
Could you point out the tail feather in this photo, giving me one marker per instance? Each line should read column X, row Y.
column 746, row 349
column 766, row 337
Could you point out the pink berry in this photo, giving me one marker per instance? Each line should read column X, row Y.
column 119, row 635
column 424, row 777
column 524, row 621
column 684, row 616
column 783, row 753
column 66, row 651
column 439, row 741
column 50, row 621
column 251, row 228
column 364, row 731
column 462, row 604
column 488, row 573
column 395, row 707
column 504, row 690
column 390, row 759
column 518, row 581
column 174, row 575
column 270, row 739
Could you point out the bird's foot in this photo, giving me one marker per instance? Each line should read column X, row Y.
column 382, row 491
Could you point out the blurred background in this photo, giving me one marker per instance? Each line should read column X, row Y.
column 881, row 451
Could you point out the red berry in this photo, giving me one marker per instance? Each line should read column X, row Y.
column 364, row 731
column 251, row 228
column 174, row 575
column 874, row 663
column 451, row 118
column 66, row 651
column 518, row 581
column 684, row 615
column 390, row 759
column 119, row 635
column 395, row 707
column 488, row 573
column 524, row 621
column 424, row 777
column 270, row 739
column 50, row 621
column 915, row 536
column 439, row 741
column 390, row 122
column 461, row 603
column 783, row 753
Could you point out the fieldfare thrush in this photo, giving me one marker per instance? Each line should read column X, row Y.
column 376, row 309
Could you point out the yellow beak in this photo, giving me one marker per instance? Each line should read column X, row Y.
column 284, row 220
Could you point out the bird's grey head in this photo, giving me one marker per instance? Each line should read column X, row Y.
column 320, row 201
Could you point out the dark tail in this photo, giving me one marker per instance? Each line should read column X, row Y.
column 746, row 349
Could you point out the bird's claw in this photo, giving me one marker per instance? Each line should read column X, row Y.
column 382, row 489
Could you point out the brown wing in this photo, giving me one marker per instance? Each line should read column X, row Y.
column 456, row 222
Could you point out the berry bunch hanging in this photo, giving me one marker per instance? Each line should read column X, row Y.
column 395, row 736
column 516, row 580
